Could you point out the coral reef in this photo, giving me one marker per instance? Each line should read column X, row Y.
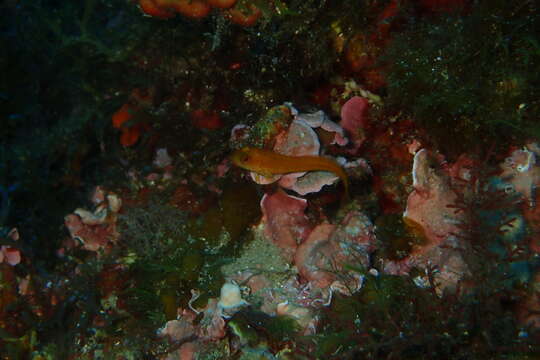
column 424, row 113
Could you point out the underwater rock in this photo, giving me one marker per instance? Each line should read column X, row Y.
column 285, row 223
column 449, row 268
column 95, row 229
column 522, row 171
column 304, row 316
column 263, row 133
column 528, row 309
column 357, row 230
column 312, row 182
column 275, row 287
column 239, row 134
column 354, row 120
column 320, row 119
column 322, row 258
column 263, row 269
column 427, row 209
column 93, row 237
column 194, row 336
column 298, row 140
column 181, row 330
column 212, row 325
column 315, row 257
column 230, row 299
column 9, row 254
column 429, row 216
column 162, row 158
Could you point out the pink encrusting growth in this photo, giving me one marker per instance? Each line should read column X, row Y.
column 314, row 257
column 431, row 218
column 96, row 229
column 354, row 119
column 9, row 254
column 427, row 204
column 286, row 225
column 329, row 248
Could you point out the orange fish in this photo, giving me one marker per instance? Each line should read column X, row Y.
column 267, row 163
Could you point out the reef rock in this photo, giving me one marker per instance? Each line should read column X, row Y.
column 429, row 216
column 522, row 171
column 427, row 206
column 95, row 229
column 322, row 257
column 285, row 223
column 354, row 120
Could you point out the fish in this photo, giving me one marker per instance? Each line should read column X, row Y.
column 268, row 163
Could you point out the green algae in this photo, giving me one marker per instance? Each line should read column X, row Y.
column 470, row 76
column 282, row 328
column 216, row 350
column 260, row 256
column 245, row 332
column 257, row 332
column 228, row 219
column 396, row 238
column 171, row 253
column 263, row 132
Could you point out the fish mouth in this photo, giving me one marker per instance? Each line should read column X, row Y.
column 234, row 158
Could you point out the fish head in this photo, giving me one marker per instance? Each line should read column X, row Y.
column 241, row 157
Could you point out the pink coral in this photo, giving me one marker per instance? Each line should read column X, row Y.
column 11, row 255
column 212, row 325
column 95, row 230
column 285, row 223
column 427, row 205
column 314, row 258
column 354, row 120
column 319, row 119
column 429, row 215
column 330, row 247
column 93, row 237
column 182, row 329
column 312, row 182
column 193, row 335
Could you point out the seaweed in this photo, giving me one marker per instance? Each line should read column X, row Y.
column 469, row 75
column 62, row 65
